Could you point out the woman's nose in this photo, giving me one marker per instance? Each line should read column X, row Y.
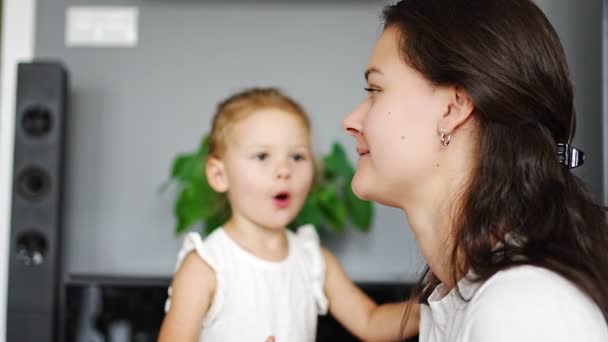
column 352, row 121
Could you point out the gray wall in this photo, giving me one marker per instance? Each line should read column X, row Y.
column 134, row 109
column 579, row 24
column 604, row 91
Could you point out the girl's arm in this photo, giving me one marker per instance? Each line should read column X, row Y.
column 193, row 287
column 359, row 313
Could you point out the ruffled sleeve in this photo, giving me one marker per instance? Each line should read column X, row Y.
column 309, row 239
column 194, row 242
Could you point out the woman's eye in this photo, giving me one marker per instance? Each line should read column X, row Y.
column 261, row 156
column 371, row 90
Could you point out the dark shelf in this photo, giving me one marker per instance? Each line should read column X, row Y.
column 102, row 305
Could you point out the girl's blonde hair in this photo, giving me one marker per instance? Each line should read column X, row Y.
column 238, row 106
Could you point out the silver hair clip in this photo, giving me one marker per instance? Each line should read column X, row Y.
column 570, row 156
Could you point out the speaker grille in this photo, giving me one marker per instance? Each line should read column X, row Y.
column 35, row 263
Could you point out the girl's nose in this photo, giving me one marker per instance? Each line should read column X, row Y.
column 283, row 171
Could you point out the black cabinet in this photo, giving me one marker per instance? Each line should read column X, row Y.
column 132, row 309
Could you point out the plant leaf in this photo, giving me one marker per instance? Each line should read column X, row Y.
column 187, row 208
column 332, row 208
column 309, row 214
column 330, row 203
column 337, row 163
column 203, row 148
column 360, row 212
column 218, row 218
column 184, row 166
column 196, row 202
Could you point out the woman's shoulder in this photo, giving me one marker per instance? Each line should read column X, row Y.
column 536, row 303
column 530, row 283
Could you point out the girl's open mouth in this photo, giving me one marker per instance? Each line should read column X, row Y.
column 282, row 199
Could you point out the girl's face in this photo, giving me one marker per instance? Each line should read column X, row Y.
column 396, row 127
column 267, row 167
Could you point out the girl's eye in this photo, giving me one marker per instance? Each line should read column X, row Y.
column 298, row 157
column 371, row 90
column 261, row 156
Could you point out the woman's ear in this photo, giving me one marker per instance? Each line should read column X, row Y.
column 460, row 109
column 216, row 174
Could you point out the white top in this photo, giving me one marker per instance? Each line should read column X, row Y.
column 523, row 304
column 256, row 298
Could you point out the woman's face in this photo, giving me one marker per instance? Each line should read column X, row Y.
column 396, row 127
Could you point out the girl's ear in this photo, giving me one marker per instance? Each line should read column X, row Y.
column 216, row 174
column 460, row 109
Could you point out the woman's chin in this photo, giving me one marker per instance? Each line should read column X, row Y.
column 369, row 192
column 360, row 189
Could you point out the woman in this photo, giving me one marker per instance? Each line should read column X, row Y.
column 467, row 128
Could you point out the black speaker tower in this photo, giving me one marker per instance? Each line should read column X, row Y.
column 34, row 280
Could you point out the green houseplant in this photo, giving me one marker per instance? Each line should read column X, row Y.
column 331, row 203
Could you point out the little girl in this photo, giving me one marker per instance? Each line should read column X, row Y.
column 252, row 279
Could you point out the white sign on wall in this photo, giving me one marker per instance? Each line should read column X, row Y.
column 94, row 26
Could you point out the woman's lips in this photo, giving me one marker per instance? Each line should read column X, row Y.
column 362, row 151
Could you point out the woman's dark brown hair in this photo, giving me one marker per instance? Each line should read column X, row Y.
column 506, row 55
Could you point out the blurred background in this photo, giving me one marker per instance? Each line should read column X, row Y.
column 142, row 78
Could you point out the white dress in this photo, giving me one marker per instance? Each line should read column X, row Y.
column 255, row 298
column 523, row 304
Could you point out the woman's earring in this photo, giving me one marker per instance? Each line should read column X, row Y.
column 445, row 137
